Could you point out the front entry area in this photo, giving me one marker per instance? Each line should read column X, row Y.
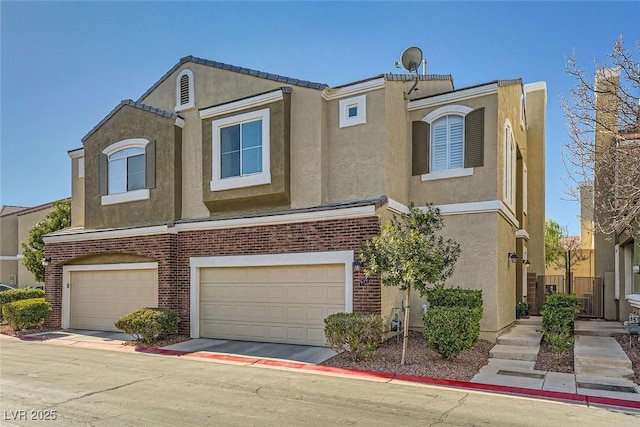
column 270, row 298
column 94, row 296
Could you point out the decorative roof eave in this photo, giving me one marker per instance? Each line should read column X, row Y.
column 128, row 102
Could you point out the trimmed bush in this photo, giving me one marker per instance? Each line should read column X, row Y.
column 450, row 330
column 19, row 294
column 454, row 297
column 148, row 324
column 25, row 313
column 452, row 323
column 358, row 334
column 559, row 343
column 559, row 313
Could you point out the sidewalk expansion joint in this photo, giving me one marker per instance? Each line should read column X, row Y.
column 521, row 374
column 606, row 387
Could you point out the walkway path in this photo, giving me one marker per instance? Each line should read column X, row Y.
column 601, row 367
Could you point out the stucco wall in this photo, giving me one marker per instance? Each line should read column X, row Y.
column 77, row 192
column 8, row 248
column 483, row 184
column 131, row 122
column 25, row 224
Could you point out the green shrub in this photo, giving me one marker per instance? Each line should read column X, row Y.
column 148, row 324
column 19, row 294
column 358, row 334
column 454, row 297
column 25, row 313
column 449, row 330
column 559, row 343
column 559, row 313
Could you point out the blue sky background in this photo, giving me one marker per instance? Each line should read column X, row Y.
column 65, row 65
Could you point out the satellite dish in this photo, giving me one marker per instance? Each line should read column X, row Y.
column 411, row 59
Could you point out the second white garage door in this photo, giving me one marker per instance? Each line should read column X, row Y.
column 99, row 297
column 284, row 304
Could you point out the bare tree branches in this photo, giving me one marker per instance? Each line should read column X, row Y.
column 603, row 125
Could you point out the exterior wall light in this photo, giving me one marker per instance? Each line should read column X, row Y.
column 526, row 263
column 357, row 266
column 513, row 257
column 46, row 261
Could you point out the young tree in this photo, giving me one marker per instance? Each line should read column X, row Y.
column 33, row 248
column 409, row 253
column 603, row 121
column 561, row 250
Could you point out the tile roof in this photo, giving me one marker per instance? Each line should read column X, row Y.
column 236, row 69
column 7, row 210
column 134, row 104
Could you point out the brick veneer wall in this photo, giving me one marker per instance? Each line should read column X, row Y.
column 173, row 252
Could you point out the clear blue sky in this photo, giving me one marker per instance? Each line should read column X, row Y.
column 65, row 65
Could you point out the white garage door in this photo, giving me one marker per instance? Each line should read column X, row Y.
column 284, row 304
column 99, row 297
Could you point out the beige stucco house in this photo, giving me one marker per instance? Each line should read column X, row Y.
column 15, row 223
column 240, row 198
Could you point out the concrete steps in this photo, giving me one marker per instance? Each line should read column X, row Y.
column 521, row 343
column 514, row 352
column 599, row 328
column 601, row 356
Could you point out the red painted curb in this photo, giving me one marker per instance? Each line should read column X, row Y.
column 556, row 395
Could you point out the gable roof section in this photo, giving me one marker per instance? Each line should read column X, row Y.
column 7, row 210
column 235, row 69
column 134, row 104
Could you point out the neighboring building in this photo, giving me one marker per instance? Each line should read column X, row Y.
column 617, row 254
column 15, row 223
column 241, row 198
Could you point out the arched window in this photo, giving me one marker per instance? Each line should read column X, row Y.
column 126, row 171
column 447, row 143
column 184, row 90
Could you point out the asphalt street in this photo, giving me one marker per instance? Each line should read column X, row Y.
column 43, row 384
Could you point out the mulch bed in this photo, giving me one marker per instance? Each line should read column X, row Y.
column 633, row 353
column 6, row 329
column 550, row 361
column 421, row 360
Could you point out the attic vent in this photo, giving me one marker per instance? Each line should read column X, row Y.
column 184, row 89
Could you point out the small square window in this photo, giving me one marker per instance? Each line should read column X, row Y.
column 353, row 111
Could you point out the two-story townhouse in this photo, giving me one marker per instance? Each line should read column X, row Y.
column 241, row 198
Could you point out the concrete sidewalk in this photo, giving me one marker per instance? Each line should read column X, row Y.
column 601, row 367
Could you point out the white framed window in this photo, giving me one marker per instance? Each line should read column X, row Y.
column 240, row 151
column 184, row 90
column 353, row 111
column 447, row 143
column 125, row 178
column 509, row 187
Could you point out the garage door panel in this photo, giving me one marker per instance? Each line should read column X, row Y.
column 278, row 303
column 100, row 297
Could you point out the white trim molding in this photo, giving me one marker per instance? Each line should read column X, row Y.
column 446, row 174
column 302, row 258
column 129, row 196
column 126, row 143
column 487, row 206
column 357, row 102
column 80, row 235
column 460, row 110
column 242, row 104
column 455, row 96
column 322, row 215
column 634, row 300
column 66, row 281
column 9, row 257
column 76, row 153
column 180, row 122
column 354, row 89
column 522, row 234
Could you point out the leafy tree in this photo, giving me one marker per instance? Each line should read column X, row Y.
column 559, row 247
column 603, row 124
column 33, row 248
column 409, row 253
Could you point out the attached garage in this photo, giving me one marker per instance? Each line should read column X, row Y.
column 97, row 295
column 270, row 298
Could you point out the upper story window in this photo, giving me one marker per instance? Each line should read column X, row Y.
column 448, row 142
column 353, row 111
column 509, row 187
column 184, row 90
column 126, row 171
column 241, row 151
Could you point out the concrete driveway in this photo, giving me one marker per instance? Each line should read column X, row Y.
column 297, row 353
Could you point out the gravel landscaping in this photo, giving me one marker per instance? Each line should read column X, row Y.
column 421, row 360
column 633, row 353
column 549, row 361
